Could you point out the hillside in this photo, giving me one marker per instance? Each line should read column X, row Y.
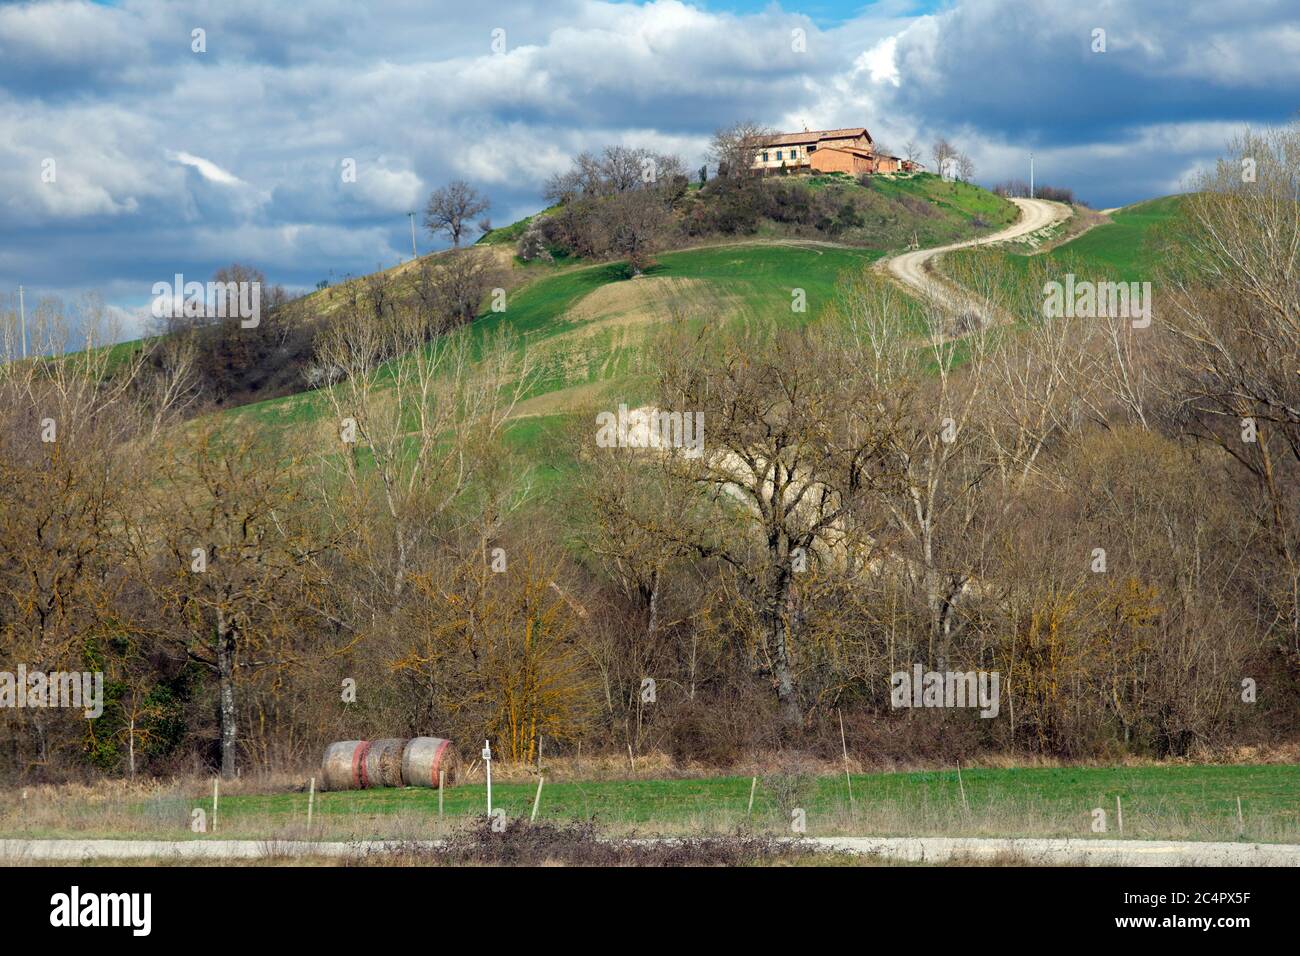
column 844, row 220
column 1124, row 246
column 1127, row 246
column 583, row 322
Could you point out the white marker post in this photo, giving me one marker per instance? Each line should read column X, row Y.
column 844, row 744
column 487, row 763
column 22, row 312
column 216, row 789
column 537, row 800
column 311, row 798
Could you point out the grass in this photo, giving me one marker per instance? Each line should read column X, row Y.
column 962, row 199
column 897, row 210
column 508, row 235
column 1189, row 802
column 1125, row 249
column 586, row 328
column 751, row 280
column 762, row 277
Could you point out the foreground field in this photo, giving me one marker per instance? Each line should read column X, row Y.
column 1172, row 802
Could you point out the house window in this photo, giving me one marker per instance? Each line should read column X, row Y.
column 778, row 155
column 794, row 153
column 764, row 155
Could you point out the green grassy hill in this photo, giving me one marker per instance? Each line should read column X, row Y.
column 569, row 297
column 1124, row 249
column 584, row 327
column 584, row 324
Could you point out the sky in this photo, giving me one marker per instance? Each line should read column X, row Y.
column 129, row 155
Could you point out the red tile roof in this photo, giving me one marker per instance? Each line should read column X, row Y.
column 815, row 136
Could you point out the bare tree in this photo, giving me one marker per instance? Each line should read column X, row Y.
column 945, row 154
column 450, row 288
column 451, row 209
column 734, row 148
column 242, row 576
column 1234, row 319
column 638, row 221
column 772, row 495
column 419, row 415
column 965, row 168
column 618, row 169
column 75, row 433
column 933, row 390
column 973, row 411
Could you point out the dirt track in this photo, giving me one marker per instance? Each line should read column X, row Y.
column 910, row 268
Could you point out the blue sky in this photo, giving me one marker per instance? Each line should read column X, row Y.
column 168, row 160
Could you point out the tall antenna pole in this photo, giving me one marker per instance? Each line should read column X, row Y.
column 1031, row 175
column 22, row 312
column 414, row 255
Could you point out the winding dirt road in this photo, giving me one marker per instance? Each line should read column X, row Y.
column 911, row 269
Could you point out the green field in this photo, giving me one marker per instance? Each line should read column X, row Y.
column 748, row 278
column 726, row 283
column 1159, row 802
column 1193, row 802
column 963, row 200
column 1127, row 248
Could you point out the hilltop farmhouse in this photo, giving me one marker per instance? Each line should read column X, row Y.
column 849, row 150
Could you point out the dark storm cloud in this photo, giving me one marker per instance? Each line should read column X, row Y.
column 1003, row 65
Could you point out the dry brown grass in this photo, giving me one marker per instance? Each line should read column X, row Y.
column 661, row 766
column 646, row 300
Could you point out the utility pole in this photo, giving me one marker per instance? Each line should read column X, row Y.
column 414, row 255
column 1031, row 175
column 22, row 312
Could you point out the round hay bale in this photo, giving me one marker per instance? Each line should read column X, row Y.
column 424, row 757
column 340, row 766
column 383, row 763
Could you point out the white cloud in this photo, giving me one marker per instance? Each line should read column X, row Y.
column 389, row 190
column 207, row 169
column 879, row 61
